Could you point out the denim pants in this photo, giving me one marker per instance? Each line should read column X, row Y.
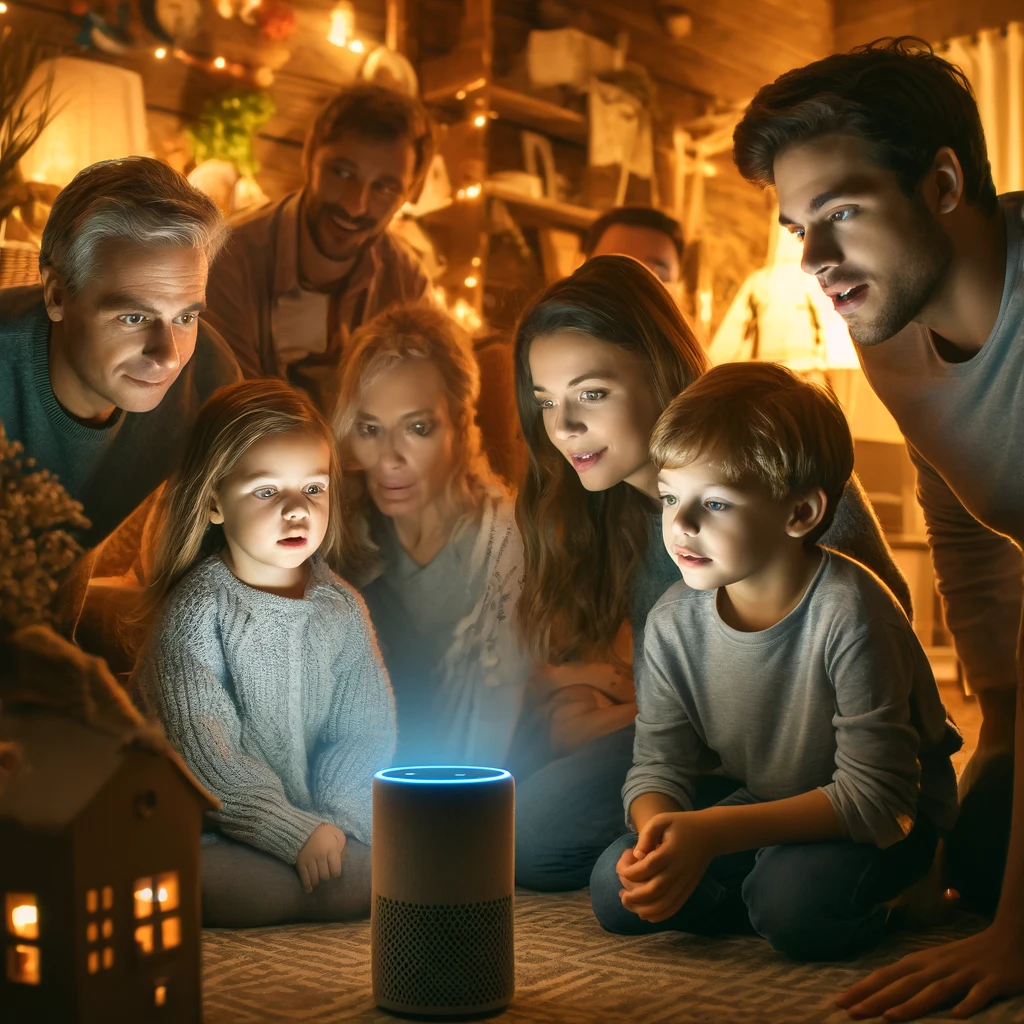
column 811, row 901
column 568, row 812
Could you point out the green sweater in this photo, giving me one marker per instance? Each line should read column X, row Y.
column 110, row 468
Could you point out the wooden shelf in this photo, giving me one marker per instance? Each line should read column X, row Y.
column 539, row 115
column 445, row 77
column 542, row 213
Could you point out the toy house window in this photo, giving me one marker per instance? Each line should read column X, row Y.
column 21, row 914
column 157, row 900
column 99, row 928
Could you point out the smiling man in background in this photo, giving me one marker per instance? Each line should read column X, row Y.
column 298, row 276
column 104, row 367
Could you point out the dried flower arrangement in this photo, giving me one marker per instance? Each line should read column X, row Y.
column 36, row 545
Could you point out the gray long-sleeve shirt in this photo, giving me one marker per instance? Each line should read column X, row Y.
column 839, row 696
column 965, row 426
column 280, row 708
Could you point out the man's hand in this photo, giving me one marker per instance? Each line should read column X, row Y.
column 660, row 872
column 320, row 857
column 970, row 973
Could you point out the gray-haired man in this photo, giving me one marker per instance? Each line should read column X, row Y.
column 104, row 366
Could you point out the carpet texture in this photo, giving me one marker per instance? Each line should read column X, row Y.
column 568, row 971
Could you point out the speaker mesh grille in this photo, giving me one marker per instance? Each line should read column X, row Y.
column 443, row 954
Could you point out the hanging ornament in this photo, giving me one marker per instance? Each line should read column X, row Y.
column 276, row 19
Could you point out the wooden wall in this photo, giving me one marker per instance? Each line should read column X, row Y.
column 860, row 21
column 310, row 72
column 735, row 46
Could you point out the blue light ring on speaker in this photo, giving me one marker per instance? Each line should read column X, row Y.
column 447, row 775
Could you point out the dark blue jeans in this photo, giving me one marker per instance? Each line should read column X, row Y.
column 811, row 901
column 568, row 812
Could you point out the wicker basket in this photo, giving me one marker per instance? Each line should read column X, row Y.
column 19, row 264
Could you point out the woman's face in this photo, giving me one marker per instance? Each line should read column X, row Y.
column 403, row 438
column 598, row 407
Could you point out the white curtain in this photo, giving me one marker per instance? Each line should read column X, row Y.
column 993, row 61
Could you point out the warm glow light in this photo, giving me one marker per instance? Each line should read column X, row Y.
column 160, row 995
column 3, row 8
column 473, row 191
column 220, row 63
column 108, row 927
column 343, row 23
column 160, row 52
column 108, row 958
column 25, row 918
column 22, row 915
column 92, row 901
column 170, row 932
column 480, row 120
column 167, row 890
column 143, row 898
column 93, row 962
column 23, row 964
column 108, row 897
column 356, row 46
column 461, row 94
column 477, row 261
column 471, row 282
column 145, row 895
column 144, row 938
column 92, row 933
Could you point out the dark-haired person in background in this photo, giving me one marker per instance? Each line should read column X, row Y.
column 298, row 276
column 878, row 157
column 648, row 235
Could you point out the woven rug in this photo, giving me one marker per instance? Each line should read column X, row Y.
column 568, row 971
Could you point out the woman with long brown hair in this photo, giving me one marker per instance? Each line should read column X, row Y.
column 598, row 357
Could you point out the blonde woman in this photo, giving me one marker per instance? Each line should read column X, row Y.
column 430, row 538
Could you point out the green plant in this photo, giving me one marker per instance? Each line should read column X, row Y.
column 24, row 112
column 226, row 128
column 36, row 547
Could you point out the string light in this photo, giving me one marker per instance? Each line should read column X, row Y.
column 343, row 23
column 473, row 191
column 3, row 8
column 471, row 281
column 480, row 120
column 220, row 63
column 476, row 261
column 356, row 46
column 160, row 52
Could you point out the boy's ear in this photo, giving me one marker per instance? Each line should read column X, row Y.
column 806, row 512
column 216, row 516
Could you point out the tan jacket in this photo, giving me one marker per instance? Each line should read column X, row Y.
column 260, row 264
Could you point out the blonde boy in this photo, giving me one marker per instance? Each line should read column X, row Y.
column 791, row 764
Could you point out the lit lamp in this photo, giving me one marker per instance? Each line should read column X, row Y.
column 442, row 900
column 100, row 114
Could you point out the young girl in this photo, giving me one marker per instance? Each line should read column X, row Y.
column 262, row 665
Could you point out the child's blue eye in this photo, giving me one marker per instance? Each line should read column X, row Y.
column 264, row 492
column 316, row 488
column 668, row 500
column 716, row 506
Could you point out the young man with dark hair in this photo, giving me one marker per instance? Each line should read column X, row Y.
column 298, row 276
column 648, row 235
column 879, row 161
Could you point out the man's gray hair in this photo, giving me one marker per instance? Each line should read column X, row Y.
column 136, row 199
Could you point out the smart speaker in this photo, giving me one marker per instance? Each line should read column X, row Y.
column 443, row 879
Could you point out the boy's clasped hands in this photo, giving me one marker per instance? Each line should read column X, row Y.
column 671, row 855
column 320, row 856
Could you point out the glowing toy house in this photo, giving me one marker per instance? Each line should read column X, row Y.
column 99, row 876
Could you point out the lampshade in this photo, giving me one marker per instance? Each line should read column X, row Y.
column 100, row 115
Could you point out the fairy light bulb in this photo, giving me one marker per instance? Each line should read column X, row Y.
column 343, row 24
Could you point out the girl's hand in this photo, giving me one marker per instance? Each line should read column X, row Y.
column 669, row 859
column 320, row 857
column 971, row 972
